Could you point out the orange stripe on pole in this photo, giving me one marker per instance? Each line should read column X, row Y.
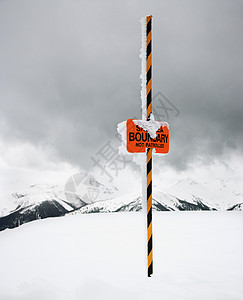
column 149, row 86
column 150, row 231
column 149, row 177
column 150, row 258
column 149, row 156
column 149, row 203
column 149, row 36
column 149, row 18
column 149, row 61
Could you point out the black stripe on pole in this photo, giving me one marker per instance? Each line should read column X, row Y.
column 149, row 165
column 150, row 245
column 149, row 49
column 149, row 75
column 149, row 25
column 149, row 217
column 149, row 188
column 150, row 270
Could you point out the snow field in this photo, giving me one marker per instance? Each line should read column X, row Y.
column 197, row 255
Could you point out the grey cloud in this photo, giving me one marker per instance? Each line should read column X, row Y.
column 70, row 73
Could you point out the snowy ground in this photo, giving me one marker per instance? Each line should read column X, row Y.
column 197, row 255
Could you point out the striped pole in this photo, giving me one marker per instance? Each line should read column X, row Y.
column 149, row 151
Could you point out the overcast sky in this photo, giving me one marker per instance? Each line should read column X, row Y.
column 70, row 71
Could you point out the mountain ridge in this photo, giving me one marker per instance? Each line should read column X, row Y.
column 43, row 201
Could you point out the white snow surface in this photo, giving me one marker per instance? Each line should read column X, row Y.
column 150, row 126
column 197, row 255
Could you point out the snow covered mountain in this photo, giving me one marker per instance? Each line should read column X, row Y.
column 185, row 195
column 133, row 202
column 218, row 194
column 84, row 194
column 38, row 202
column 43, row 201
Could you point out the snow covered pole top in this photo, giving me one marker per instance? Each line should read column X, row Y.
column 146, row 67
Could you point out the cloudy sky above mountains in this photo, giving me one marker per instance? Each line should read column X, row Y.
column 70, row 72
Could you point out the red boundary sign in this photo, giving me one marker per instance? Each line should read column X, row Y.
column 138, row 139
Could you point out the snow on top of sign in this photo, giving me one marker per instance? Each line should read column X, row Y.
column 151, row 126
column 143, row 69
column 122, row 130
column 138, row 158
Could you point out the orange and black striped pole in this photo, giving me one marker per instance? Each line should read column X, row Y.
column 149, row 150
